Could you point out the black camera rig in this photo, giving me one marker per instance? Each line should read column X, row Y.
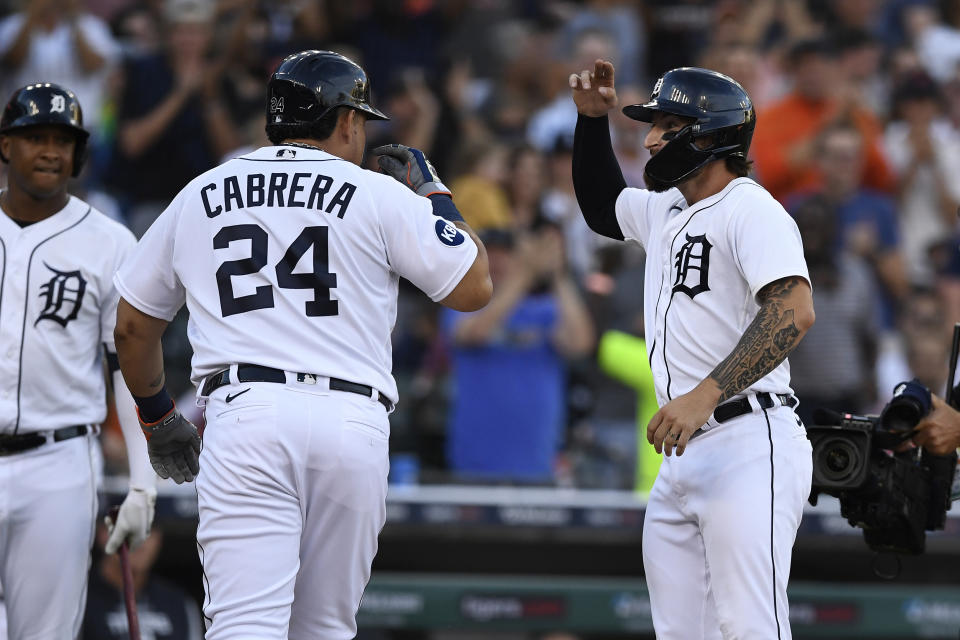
column 894, row 493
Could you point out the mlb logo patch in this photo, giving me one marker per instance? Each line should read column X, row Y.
column 448, row 234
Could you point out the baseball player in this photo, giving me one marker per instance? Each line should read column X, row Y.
column 288, row 259
column 57, row 311
column 727, row 297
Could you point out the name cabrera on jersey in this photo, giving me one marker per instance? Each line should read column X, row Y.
column 705, row 265
column 290, row 258
column 58, row 307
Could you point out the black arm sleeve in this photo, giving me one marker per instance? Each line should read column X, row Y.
column 597, row 178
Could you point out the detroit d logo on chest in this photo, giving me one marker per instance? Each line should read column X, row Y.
column 692, row 264
column 62, row 296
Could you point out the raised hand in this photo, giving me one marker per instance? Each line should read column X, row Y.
column 593, row 91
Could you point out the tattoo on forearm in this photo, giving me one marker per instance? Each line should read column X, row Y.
column 157, row 382
column 765, row 344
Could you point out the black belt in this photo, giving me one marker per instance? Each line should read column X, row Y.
column 256, row 373
column 11, row 443
column 741, row 406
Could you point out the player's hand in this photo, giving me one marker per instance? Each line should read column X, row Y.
column 939, row 431
column 174, row 447
column 593, row 91
column 133, row 520
column 675, row 422
column 410, row 167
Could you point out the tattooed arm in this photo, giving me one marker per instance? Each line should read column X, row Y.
column 785, row 315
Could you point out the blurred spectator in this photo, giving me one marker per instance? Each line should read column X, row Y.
column 627, row 138
column 924, row 150
column 172, row 124
column 57, row 41
column 137, row 30
column 621, row 20
column 743, row 63
column 526, row 183
column 785, row 143
column 859, row 54
column 928, row 358
column 478, row 191
column 833, row 367
column 937, row 44
column 413, row 111
column 294, row 26
column 678, row 30
column 559, row 117
column 395, row 35
column 247, row 64
column 560, row 207
column 923, row 314
column 508, row 401
column 767, row 23
column 867, row 219
column 838, row 15
column 164, row 610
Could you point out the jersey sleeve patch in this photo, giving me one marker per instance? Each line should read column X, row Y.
column 448, row 234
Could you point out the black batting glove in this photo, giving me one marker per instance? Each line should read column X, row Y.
column 410, row 167
column 174, row 446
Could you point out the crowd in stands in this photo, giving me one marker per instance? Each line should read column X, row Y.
column 858, row 135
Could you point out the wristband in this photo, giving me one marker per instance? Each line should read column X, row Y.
column 152, row 408
column 443, row 206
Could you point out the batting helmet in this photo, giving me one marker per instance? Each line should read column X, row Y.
column 308, row 85
column 46, row 103
column 720, row 108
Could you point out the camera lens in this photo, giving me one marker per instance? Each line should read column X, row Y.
column 837, row 460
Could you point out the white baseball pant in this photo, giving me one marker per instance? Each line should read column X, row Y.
column 720, row 526
column 292, row 495
column 48, row 505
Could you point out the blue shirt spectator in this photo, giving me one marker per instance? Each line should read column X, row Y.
column 508, row 406
column 508, row 412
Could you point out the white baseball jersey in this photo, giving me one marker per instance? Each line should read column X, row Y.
column 289, row 257
column 705, row 265
column 722, row 518
column 57, row 311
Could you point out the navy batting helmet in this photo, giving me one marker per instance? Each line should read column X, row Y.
column 720, row 108
column 46, row 103
column 308, row 85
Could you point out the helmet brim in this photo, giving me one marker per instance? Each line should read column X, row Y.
column 644, row 112
column 372, row 113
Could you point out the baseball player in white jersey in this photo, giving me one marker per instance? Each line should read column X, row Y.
column 289, row 259
column 727, row 297
column 57, row 311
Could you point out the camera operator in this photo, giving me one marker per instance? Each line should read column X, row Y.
column 939, row 431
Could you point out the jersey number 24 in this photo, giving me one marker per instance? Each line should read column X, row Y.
column 319, row 279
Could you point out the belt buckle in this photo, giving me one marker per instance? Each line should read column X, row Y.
column 307, row 378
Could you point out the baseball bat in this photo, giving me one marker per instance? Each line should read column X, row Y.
column 129, row 597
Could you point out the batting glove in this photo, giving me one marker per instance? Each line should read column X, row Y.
column 410, row 167
column 133, row 520
column 174, row 446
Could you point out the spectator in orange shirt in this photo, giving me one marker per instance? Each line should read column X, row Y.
column 785, row 142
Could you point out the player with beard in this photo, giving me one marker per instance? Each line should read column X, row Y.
column 726, row 298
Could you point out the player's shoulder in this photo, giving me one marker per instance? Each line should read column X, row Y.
column 655, row 201
column 747, row 196
column 95, row 221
